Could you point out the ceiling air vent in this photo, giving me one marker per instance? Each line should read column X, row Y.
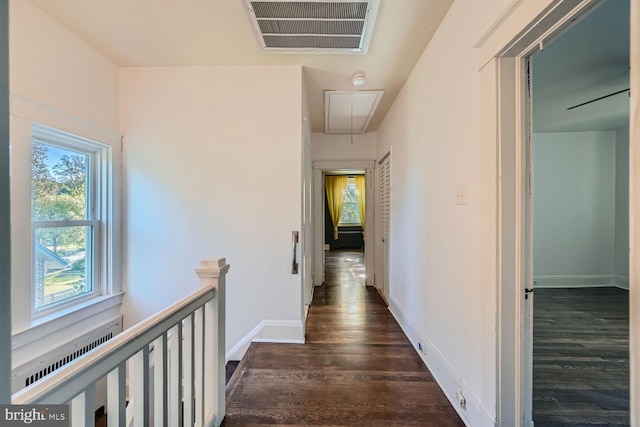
column 312, row 26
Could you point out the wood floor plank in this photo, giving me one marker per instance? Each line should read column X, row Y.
column 357, row 368
column 581, row 357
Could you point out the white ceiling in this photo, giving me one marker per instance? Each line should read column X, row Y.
column 588, row 61
column 349, row 111
column 218, row 32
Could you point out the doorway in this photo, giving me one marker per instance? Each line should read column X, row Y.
column 507, row 188
column 323, row 227
column 345, row 227
column 579, row 218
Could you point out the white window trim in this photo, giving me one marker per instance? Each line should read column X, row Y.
column 99, row 184
column 350, row 224
column 32, row 337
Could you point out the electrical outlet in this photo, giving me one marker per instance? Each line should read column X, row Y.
column 461, row 399
column 461, row 194
column 422, row 348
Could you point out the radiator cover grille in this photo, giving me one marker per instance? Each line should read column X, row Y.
column 27, row 374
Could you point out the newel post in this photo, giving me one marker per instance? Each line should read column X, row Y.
column 212, row 274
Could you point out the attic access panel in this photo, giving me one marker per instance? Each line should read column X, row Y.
column 349, row 111
column 313, row 26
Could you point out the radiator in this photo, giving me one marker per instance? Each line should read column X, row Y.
column 47, row 363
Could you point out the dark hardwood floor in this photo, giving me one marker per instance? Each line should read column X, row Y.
column 581, row 357
column 357, row 368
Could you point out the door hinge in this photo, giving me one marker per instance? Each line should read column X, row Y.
column 527, row 291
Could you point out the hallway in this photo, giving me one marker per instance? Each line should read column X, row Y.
column 357, row 368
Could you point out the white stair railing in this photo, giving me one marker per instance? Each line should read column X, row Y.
column 187, row 344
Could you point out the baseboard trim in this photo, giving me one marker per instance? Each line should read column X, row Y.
column 444, row 373
column 277, row 331
column 622, row 282
column 576, row 281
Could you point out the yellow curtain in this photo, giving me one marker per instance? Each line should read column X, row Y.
column 336, row 187
column 361, row 192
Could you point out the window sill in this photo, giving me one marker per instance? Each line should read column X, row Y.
column 64, row 318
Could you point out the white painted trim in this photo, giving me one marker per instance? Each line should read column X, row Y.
column 31, row 110
column 537, row 18
column 621, row 282
column 499, row 22
column 531, row 21
column 489, row 243
column 44, row 327
column 319, row 168
column 330, row 165
column 574, row 281
column 277, row 331
column 24, row 113
column 318, row 227
column 443, row 371
column 307, row 306
column 33, row 360
column 634, row 215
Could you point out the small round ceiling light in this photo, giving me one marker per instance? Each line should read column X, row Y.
column 358, row 78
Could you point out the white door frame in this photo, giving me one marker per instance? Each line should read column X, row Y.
column 307, row 232
column 505, row 165
column 320, row 167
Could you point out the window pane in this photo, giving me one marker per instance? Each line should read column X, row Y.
column 58, row 183
column 350, row 195
column 350, row 214
column 63, row 259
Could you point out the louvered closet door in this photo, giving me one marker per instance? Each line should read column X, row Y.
column 384, row 212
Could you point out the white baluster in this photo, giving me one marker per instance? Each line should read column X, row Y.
column 210, row 366
column 160, row 381
column 198, row 367
column 175, row 375
column 82, row 408
column 187, row 370
column 140, row 375
column 116, row 396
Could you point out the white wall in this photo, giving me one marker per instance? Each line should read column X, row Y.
column 57, row 80
column 52, row 66
column 621, row 269
column 212, row 169
column 339, row 147
column 434, row 127
column 574, row 191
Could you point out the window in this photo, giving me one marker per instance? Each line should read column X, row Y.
column 66, row 191
column 350, row 214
